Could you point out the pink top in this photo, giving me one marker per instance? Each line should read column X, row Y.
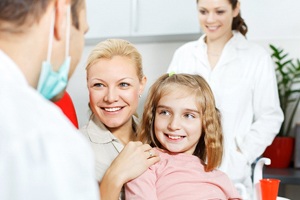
column 180, row 176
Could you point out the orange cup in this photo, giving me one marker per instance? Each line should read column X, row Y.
column 269, row 188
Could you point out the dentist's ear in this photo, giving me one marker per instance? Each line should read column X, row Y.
column 60, row 22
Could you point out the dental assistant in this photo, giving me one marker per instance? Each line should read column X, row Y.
column 242, row 77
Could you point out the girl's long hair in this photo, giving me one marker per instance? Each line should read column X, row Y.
column 210, row 146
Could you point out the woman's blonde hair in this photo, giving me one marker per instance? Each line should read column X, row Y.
column 210, row 145
column 116, row 47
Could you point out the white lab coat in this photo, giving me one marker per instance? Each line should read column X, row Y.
column 245, row 88
column 42, row 155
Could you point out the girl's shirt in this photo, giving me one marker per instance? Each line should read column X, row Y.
column 180, row 176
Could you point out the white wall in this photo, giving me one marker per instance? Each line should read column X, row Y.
column 269, row 21
column 272, row 19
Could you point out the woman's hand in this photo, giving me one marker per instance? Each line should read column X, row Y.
column 132, row 161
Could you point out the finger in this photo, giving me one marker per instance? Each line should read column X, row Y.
column 146, row 147
column 153, row 160
column 149, row 154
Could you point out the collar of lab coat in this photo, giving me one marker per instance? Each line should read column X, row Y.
column 233, row 46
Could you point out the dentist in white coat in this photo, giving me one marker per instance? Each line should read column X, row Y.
column 42, row 155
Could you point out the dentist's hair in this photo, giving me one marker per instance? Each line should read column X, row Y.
column 210, row 145
column 76, row 7
column 15, row 14
column 19, row 13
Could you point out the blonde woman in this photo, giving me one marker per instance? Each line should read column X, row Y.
column 115, row 81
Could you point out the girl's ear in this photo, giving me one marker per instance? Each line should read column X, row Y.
column 60, row 23
column 236, row 11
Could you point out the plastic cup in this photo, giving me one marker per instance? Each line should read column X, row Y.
column 269, row 188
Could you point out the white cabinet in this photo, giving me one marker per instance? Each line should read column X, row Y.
column 108, row 18
column 131, row 18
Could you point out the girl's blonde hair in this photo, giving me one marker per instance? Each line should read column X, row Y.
column 210, row 145
column 116, row 47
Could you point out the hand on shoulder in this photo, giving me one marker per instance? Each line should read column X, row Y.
column 133, row 160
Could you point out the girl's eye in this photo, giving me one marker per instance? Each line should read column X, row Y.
column 124, row 84
column 189, row 116
column 164, row 112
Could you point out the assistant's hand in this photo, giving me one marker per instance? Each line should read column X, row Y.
column 132, row 161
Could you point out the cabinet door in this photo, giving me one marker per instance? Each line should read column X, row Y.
column 108, row 18
column 164, row 17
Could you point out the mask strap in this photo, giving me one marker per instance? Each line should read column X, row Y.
column 68, row 31
column 51, row 36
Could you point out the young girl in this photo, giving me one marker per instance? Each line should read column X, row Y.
column 181, row 120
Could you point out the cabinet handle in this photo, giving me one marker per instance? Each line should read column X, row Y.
column 134, row 19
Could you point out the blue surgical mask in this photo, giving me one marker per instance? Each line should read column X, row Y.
column 52, row 83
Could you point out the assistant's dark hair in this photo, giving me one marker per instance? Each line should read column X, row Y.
column 238, row 23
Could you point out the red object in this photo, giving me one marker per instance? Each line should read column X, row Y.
column 269, row 188
column 280, row 152
column 67, row 106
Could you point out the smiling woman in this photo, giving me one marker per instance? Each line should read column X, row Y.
column 115, row 81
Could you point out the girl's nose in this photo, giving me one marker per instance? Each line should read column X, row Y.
column 174, row 123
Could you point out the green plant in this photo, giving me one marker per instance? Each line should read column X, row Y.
column 288, row 80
